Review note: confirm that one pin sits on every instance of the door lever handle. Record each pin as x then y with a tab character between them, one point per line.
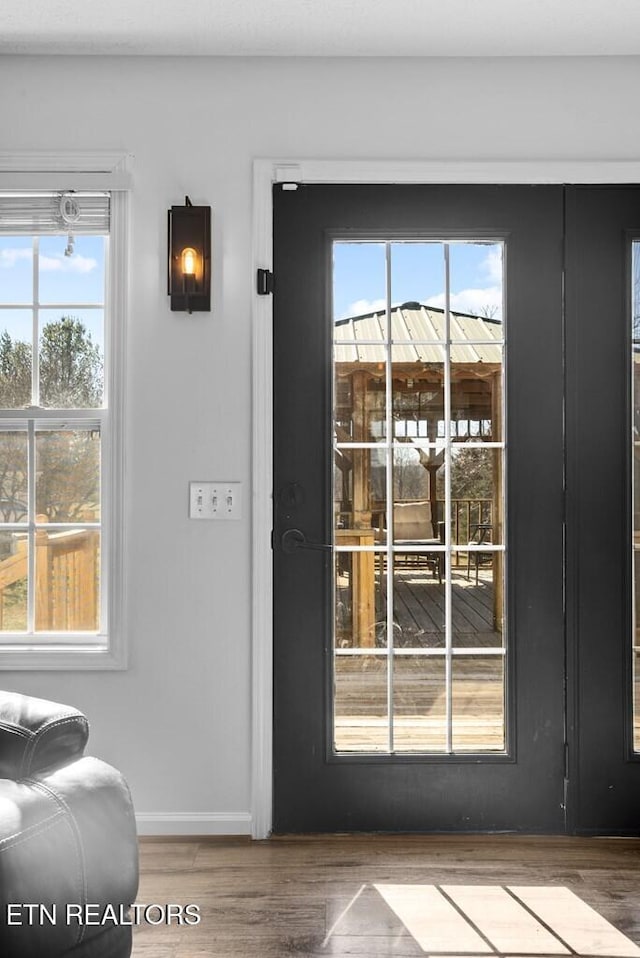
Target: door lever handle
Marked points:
294	539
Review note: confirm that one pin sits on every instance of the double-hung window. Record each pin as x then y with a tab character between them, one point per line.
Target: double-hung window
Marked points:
59	442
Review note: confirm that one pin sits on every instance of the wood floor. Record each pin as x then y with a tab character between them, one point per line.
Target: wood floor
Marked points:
312	897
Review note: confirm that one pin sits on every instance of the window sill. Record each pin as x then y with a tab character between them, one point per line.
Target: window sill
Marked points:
55	653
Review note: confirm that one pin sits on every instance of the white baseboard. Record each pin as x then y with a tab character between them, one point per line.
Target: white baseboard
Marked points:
193	823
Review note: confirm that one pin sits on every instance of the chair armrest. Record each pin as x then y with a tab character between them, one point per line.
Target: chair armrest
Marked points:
36	734
67	838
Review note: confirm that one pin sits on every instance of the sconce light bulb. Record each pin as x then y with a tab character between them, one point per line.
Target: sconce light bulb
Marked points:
189	260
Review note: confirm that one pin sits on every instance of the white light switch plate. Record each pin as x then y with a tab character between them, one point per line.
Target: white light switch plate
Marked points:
215	500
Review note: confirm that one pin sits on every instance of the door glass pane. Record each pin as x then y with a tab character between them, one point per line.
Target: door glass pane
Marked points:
418	393
361	716
419	704
359	289
477	291
416	273
476	495
419	598
416	510
359	496
476	393
359	616
477	703
359	394
419	449
476	603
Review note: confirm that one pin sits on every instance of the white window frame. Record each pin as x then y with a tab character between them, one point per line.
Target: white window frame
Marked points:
108	171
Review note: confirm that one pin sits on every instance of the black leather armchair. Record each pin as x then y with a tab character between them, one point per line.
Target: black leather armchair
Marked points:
68	846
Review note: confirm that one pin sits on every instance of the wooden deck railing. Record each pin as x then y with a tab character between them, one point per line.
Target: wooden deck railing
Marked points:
465	514
67	579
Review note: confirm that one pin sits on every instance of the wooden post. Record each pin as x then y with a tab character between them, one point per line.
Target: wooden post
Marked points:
361	491
432	469
85	585
44	578
363	612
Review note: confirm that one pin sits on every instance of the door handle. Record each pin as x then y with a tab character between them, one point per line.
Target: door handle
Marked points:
294	539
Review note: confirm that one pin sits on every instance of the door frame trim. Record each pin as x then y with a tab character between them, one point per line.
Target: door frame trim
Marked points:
266	172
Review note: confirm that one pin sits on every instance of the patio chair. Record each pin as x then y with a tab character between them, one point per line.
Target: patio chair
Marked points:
413	526
480	535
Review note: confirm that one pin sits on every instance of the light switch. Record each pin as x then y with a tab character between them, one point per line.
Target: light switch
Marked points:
215	500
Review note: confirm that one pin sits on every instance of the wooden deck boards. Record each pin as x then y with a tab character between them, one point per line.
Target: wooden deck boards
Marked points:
419	702
419	609
419	714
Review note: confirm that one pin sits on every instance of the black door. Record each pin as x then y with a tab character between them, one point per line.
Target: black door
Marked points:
603	505
421	666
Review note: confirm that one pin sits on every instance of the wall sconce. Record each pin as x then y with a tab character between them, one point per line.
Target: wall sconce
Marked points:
190	257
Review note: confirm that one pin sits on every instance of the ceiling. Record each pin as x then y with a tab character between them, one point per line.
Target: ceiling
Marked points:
322	27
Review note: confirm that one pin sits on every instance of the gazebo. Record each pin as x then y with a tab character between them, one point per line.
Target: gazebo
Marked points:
423	365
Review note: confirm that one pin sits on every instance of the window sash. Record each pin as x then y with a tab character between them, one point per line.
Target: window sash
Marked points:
30	528
107	648
35	307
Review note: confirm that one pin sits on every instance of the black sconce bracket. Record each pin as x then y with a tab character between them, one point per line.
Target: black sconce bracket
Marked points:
190	229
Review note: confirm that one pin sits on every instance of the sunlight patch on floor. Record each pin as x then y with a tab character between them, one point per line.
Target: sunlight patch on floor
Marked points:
513	921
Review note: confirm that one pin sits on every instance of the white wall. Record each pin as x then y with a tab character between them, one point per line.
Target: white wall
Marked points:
177	722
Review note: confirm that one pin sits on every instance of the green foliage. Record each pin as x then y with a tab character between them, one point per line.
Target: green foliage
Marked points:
68	474
15	372
472	474
70	366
